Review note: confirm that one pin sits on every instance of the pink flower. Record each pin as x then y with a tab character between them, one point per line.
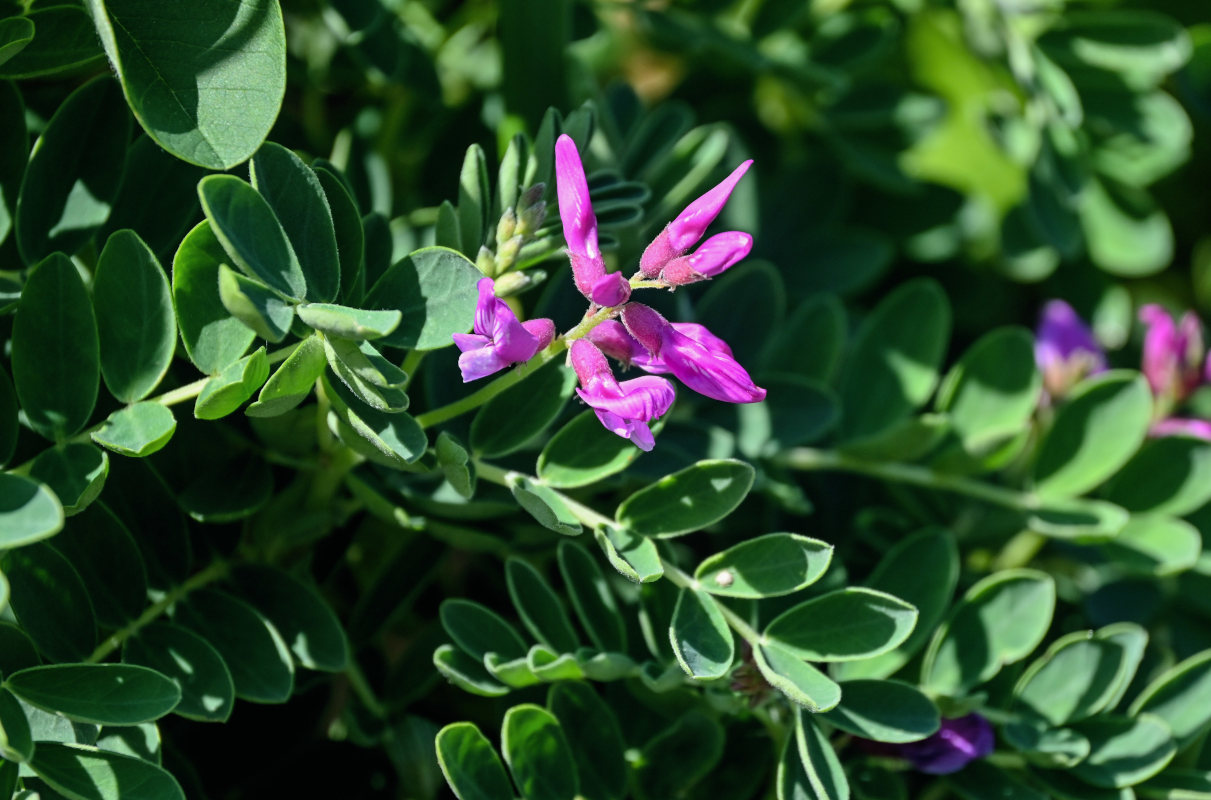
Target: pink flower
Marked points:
499	339
580	230
1064	348
1178	426
695	356
624	408
714	256
1173	354
683	232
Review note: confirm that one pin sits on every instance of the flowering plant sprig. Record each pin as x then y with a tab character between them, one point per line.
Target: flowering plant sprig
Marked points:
629	332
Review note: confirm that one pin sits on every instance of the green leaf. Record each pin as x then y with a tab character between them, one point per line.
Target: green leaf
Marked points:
56	358
15	34
227	391
594	738
595	604
1077	519
1141	47
207	691
538	755
1176	784
89	773
885	711
138	430
298	200
820	761
583	452
765	566
259	661
75	473
292	382
1074	679
372	378
467	673
515	416
992	391
10	427
473	199
478	630
435	290
255	304
1100	427
679	756
980	780
162	51
103	694
455	463
105	555
1169	475
228	491
470	765
1155	544
1176	698
1141	137
74	172
689	500
305	621
140	741
922	569
752	284
29	511
795	678
212	337
540	608
1127	233
50	602
16	741
701	638
549	666
819	320
634	556
546	505
1000	620
349	323
795	411
893	366
396	437
17	650
350	237
65	41
251	235
905	440
1124	750
514	673
1054	748
134	317
843	625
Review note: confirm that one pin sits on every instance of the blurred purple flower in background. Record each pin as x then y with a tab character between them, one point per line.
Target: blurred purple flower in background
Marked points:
1173	355
1064	349
956	744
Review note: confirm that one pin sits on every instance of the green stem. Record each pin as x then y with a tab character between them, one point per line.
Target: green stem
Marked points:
477	399
214	572
361	688
411	365
809	459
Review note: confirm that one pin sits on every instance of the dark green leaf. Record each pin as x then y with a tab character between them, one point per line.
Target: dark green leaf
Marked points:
64	41
593	736
15	34
138	430
795	411
702	640
255	304
74	472
56	358
74	172
820	761
140	741
103	694
292	382
1169	475
51	602
515	416
227	391
16	741
541	610
992	391
17	650
682	754
470	765
397	438
467	673
455	463
435	290
1124	750
14	152
212	337
251	235
305	621
538	754
546	505
160	50
689	500
207	692
367	374
9	425
29	511
157	199
259	661
89	773
885	711
108	561
473	200
297	198
1074	679
795	678
1141	46
1155	544
590	594
844	625
821	321
228	491
478	630
980	780
765	566
134	316
349	323
634	556
1176	698
583	452
350	238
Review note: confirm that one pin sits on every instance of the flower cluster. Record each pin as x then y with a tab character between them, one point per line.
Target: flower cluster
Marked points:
629	332
1172	361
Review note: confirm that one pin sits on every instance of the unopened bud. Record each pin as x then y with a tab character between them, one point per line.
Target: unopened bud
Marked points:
506	228
532	218
512	283
532	195
506	253
485	262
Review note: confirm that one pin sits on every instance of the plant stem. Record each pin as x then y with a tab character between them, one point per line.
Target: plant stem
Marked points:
361	688
809	459
411	365
737	623
214	572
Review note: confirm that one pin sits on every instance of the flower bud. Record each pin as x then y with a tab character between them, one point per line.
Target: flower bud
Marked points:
506	253
506	227
485	262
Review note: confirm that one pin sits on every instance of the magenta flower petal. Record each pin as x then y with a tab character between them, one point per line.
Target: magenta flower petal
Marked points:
470	341
541	329
612	339
1177	426
499	338
1064	348
1173	353
689	226
623	408
638	432
708	371
480	363
611	289
645	325
714	256
575	208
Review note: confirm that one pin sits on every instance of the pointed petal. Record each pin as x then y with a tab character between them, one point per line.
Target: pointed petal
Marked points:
1175	426
691	223
575	207
470	341
611	289
642	399
711	373
720	252
638	432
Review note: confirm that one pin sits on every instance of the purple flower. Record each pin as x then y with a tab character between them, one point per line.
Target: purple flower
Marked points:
683	232
714	256
624	408
698	358
956	744
1173	354
580	230
1064	348
1178	426
499	339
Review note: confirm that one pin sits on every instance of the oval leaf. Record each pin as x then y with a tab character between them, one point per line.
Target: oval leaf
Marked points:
689	500
435	290
78	770
701	638
767	566
29	511
103	694
844	625
207	691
